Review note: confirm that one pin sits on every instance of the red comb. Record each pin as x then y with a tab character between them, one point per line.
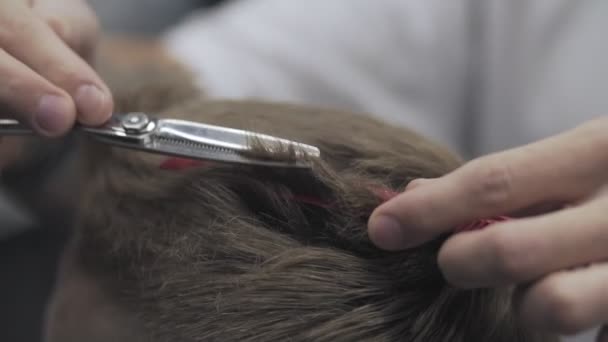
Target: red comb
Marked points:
384	194
180	164
480	224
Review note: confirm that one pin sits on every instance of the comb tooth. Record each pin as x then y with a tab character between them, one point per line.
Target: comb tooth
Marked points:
192	144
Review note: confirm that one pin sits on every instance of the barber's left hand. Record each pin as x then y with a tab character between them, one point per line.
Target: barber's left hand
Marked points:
557	258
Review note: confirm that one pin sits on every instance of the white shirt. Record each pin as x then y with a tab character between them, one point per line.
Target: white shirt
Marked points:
478	75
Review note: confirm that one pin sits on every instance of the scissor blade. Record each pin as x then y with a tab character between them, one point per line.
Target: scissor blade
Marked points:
225	138
221	137
14	127
194	150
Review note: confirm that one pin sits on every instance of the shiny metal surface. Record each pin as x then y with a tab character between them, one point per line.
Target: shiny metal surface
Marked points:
188	139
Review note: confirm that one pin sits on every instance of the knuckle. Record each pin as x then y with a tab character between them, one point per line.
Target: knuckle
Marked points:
493	183
450	262
445	261
598	124
508	256
21	94
15	85
67	77
82	29
562	307
19	88
93	26
60	27
74	31
594	131
13	29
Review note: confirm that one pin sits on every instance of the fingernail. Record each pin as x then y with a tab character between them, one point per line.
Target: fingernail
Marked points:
53	115
387	233
90	102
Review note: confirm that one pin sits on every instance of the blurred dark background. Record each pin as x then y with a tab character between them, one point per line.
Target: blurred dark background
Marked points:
29	251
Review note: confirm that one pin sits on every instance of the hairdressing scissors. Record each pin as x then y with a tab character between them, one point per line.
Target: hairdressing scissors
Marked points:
189	139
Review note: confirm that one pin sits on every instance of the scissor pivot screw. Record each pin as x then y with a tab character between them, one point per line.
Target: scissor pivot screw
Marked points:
135	122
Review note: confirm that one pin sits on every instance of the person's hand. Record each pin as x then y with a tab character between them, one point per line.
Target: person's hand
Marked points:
558	258
45	76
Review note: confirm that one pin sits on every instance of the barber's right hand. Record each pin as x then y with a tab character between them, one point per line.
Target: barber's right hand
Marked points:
45	76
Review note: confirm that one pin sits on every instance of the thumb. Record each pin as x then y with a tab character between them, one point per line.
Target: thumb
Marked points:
410	218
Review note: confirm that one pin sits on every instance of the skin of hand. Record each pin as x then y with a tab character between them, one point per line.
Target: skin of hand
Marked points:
557	259
46	56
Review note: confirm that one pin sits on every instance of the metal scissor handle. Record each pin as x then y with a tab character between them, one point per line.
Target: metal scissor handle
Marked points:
13	127
120	125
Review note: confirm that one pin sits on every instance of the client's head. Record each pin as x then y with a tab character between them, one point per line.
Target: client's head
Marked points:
240	253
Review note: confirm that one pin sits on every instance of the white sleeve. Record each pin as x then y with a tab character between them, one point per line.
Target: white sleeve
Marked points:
403	61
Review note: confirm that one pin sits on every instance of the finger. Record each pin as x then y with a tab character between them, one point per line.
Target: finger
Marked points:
73	22
32	99
567	302
560	169
522	250
33	43
538	209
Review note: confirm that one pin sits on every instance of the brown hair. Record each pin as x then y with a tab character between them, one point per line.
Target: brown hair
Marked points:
228	253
